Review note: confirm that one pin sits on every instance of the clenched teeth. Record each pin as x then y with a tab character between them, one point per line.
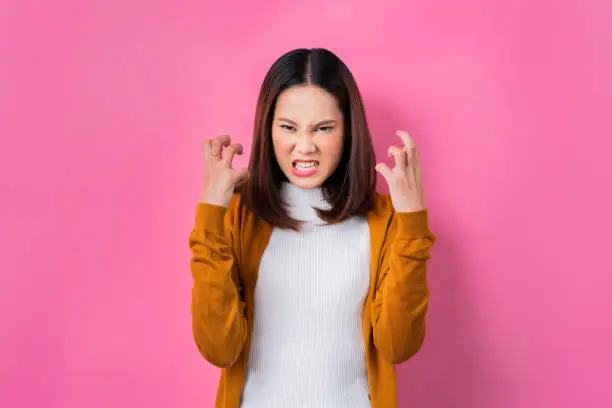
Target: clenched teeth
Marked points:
306	165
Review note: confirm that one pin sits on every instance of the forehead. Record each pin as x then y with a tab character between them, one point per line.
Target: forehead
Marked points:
307	102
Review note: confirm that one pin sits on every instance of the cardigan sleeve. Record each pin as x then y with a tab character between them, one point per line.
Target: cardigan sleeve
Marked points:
401	299
217	308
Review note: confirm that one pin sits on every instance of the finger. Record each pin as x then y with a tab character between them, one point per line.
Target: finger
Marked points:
230	151
410	154
384	170
399	155
206	147
215	148
408	142
411	166
414	163
217	144
417	173
225	140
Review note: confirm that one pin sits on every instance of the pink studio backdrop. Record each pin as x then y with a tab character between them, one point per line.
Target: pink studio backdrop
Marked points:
103	109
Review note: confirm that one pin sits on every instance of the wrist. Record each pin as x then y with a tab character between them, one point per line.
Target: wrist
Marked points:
215	199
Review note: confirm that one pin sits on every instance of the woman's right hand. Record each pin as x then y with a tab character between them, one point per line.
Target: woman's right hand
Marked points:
219	176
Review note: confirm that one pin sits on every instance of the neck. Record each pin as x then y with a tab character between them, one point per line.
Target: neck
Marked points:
302	203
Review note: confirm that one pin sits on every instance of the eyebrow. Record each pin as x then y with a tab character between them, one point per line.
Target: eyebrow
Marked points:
321	123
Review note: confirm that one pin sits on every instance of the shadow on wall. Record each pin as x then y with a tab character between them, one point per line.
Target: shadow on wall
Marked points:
450	370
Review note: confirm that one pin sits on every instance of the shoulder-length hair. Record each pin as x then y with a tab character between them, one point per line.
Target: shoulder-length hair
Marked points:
350	188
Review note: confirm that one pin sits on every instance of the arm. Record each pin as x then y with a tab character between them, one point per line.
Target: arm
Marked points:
402	296
219	325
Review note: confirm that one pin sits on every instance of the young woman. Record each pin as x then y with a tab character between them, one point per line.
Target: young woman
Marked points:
308	285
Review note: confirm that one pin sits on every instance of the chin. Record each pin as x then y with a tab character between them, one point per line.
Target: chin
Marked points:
306	182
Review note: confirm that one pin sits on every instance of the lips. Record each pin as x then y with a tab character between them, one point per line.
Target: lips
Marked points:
304	168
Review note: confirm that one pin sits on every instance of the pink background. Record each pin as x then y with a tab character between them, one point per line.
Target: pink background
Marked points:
103	109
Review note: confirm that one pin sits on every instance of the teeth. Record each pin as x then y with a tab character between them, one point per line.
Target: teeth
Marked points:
306	165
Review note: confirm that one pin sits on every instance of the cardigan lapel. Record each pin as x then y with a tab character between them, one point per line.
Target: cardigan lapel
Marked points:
378	219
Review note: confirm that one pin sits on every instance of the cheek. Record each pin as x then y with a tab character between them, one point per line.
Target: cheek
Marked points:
332	146
282	147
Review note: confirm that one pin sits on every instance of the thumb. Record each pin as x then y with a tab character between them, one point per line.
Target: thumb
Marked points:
240	175
384	170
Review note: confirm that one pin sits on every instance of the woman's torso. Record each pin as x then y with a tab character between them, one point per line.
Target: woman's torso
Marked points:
307	346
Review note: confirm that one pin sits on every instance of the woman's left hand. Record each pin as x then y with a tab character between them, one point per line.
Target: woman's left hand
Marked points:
404	179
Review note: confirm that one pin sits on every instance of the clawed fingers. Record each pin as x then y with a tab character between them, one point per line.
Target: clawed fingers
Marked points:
214	147
404	179
217	145
408	142
230	151
225	140
399	155
410	148
384	170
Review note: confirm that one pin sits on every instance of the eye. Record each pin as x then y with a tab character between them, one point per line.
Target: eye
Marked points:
325	128
287	127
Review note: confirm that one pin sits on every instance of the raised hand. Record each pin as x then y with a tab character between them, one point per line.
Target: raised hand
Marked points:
404	179
220	178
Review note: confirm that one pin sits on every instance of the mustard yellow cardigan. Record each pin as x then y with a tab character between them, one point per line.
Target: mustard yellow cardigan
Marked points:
226	247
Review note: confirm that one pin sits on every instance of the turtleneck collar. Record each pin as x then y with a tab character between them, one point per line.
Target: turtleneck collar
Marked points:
302	202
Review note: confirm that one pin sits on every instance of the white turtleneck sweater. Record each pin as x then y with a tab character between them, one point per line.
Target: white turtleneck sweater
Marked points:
307	348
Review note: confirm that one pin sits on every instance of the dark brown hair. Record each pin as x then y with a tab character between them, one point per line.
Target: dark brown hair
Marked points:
350	188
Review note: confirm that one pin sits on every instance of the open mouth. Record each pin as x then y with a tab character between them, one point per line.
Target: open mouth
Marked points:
305	165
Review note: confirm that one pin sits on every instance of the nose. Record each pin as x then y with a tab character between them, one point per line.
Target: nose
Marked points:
305	144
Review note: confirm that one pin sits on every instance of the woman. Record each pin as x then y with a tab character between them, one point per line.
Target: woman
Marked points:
308	285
